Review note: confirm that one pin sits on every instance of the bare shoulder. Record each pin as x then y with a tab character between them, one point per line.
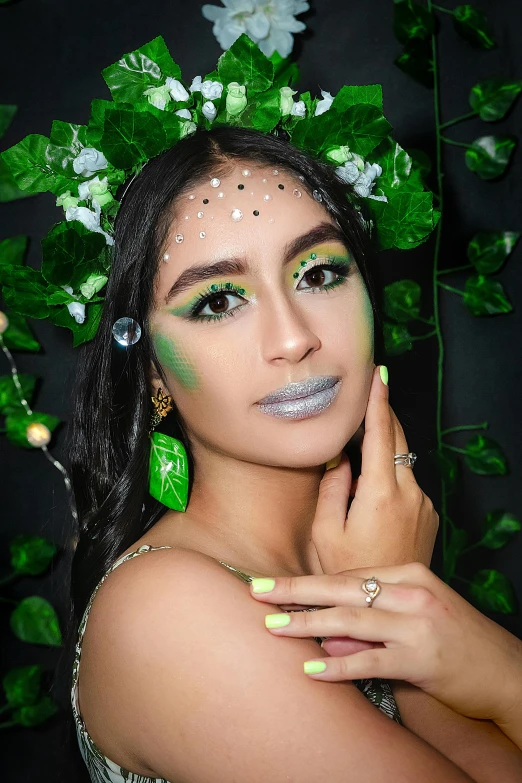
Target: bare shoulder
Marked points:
177	657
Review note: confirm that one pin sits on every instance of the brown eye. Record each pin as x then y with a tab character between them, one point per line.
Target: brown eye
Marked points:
218	304
315	276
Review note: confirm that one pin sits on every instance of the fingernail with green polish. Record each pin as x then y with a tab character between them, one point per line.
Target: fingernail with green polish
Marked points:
262	585
314	667
384	373
277	620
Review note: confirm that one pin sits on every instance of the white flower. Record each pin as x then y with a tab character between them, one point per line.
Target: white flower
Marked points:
286	102
269	23
340	154
362	180
299	109
66	200
158	96
184	113
236	98
177	91
76	309
209	110
188	128
95	188
209	89
91	220
325	104
88	161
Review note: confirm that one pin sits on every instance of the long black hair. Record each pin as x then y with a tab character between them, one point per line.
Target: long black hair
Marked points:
107	443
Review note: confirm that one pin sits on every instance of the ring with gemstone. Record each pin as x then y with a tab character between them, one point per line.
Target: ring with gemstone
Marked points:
372	589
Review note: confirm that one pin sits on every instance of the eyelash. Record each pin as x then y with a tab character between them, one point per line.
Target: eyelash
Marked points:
340	268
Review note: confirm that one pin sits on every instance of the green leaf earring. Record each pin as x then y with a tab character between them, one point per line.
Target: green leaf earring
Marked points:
168	467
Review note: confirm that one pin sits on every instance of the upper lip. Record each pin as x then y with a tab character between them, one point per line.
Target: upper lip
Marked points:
298	389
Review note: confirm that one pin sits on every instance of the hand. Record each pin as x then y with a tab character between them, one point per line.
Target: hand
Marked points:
418	630
390	521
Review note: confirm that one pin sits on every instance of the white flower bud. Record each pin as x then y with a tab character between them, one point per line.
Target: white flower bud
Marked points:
177	91
184	113
209	110
299	109
286	101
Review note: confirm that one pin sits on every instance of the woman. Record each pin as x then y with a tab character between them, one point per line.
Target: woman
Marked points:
246	268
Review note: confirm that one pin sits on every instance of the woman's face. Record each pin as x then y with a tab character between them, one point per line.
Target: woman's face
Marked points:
285	302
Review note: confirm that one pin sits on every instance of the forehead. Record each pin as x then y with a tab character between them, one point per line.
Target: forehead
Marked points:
251	210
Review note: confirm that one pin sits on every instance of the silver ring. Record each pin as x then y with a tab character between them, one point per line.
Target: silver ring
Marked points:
405	459
372	589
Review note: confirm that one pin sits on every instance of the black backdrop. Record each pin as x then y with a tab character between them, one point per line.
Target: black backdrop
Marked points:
51	56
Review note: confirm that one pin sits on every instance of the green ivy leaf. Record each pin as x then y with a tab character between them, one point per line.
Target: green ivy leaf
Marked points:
136	71
489	155
397	339
24	290
12	250
422	160
396	167
22	685
243	62
28	164
350	94
405	221
500	526
60	316
35	621
485	457
491	591
449	468
458	541
168	477
286	72
265	113
35	714
131	137
484	296
492	98
68	242
416	61
9	190
7	112
9	397
411	20
18	421
18	336
401	300
488	250
472	25
66	141
362	127
31	554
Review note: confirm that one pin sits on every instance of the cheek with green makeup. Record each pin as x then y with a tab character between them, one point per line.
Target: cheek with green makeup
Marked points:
175	359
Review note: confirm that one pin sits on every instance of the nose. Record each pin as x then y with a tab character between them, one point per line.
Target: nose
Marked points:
286	332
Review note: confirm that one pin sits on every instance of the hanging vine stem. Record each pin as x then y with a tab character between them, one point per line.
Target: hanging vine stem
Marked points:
445	518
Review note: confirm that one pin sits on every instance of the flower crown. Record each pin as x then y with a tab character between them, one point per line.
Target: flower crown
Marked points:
151	110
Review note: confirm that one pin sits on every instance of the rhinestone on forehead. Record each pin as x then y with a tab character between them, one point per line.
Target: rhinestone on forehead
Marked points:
179	238
221	194
275	171
236	215
200	214
267	197
317	196
215	182
297	193
202	235
192	196
166	256
246	172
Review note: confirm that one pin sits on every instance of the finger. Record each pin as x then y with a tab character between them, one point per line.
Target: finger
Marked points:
356	622
332	500
403	472
378	446
386	663
344	589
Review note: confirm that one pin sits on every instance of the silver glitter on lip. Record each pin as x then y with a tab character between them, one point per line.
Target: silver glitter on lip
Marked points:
298	389
179	238
304	407
200	214
215	182
236	215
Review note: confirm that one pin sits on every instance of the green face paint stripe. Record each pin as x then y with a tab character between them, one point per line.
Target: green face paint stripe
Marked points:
175	360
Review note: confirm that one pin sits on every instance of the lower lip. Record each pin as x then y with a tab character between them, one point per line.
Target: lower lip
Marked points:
303	407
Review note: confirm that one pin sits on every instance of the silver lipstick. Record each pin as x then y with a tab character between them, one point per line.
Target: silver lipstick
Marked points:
302	399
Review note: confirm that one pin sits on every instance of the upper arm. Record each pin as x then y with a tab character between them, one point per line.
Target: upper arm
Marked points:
198	689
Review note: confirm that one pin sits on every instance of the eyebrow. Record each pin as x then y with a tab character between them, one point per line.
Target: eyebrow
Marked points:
323	232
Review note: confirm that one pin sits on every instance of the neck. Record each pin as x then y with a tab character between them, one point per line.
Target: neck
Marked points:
257	518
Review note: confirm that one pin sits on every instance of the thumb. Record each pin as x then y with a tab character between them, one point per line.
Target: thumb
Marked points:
332	502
